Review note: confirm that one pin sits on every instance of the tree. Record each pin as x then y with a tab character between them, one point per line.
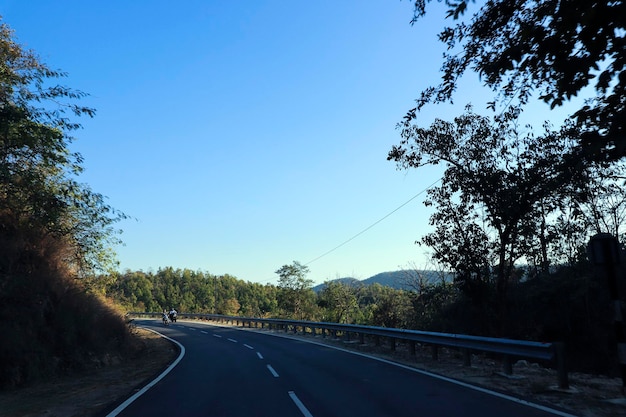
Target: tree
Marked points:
554	47
393	308
53	230
296	295
40	197
339	300
497	193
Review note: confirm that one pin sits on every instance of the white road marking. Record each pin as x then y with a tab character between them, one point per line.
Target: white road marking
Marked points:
217	335
259	355
272	371
139	393
191	328
443	378
232	340
248	346
299	404
202	331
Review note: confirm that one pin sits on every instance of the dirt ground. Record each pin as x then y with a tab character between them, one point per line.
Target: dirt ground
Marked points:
91	395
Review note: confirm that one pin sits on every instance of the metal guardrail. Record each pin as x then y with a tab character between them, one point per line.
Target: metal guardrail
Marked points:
508	348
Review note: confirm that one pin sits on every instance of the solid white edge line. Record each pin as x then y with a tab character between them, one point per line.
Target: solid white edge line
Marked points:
139	393
299	404
272	371
441	377
419	371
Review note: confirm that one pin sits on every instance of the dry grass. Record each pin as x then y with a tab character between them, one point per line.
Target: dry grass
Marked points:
89	394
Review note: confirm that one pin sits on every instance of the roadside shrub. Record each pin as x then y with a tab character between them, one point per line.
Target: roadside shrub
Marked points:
50	323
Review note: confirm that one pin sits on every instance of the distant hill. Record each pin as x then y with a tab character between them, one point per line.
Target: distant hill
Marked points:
399	280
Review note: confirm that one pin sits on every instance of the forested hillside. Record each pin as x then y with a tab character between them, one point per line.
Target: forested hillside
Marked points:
570	304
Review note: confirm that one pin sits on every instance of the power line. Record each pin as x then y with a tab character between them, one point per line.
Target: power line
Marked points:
374	224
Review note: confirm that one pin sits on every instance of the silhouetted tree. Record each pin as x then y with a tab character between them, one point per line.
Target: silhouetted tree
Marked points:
555	48
497	192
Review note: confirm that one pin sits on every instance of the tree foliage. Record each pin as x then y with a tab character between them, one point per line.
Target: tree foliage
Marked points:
569	304
555	48
52	230
340	302
39	191
504	198
296	295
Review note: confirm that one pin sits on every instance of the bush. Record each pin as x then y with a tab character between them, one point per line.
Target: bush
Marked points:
50	323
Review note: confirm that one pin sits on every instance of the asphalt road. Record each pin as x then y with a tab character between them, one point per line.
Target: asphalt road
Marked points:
233	372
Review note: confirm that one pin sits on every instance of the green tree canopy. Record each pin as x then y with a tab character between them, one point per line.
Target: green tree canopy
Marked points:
40	197
296	296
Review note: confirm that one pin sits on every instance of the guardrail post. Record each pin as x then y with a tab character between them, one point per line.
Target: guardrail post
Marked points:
392	340
561	365
434	351
467	357
412	347
362	338
377	340
507	365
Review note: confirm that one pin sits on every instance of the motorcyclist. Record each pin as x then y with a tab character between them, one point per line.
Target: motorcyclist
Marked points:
173	314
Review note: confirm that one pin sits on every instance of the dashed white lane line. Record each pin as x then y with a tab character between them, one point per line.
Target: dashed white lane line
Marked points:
259	355
191	328
249	347
272	371
305	412
232	340
202	331
217	335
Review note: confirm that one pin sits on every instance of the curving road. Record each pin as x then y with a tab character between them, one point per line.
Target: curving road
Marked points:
233	372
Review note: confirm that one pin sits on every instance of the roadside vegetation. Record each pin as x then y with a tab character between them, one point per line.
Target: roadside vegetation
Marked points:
570	305
513	214
55	233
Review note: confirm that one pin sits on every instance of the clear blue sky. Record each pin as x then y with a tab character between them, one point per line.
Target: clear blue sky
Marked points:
244	135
